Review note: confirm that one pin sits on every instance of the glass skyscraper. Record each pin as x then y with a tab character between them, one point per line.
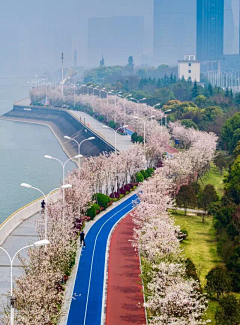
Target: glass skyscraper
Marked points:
210	24
174	30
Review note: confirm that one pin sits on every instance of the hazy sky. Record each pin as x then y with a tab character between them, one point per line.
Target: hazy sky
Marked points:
34	32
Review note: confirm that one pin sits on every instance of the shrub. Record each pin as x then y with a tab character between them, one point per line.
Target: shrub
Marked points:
191	270
91	212
140	139
150	171
122	191
218	281
102	200
112	124
134	137
130	185
134	187
139	177
121	196
116	195
127	192
115	199
228	311
127	188
145	174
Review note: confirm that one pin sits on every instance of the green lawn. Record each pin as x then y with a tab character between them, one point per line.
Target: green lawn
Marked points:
215	178
201	244
201	247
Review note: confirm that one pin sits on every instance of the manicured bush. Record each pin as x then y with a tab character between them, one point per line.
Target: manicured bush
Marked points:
139	177
102	200
134	137
150	171
134	187
130	185
112	124
122	191
115	199
91	212
140	139
127	188
116	195
145	174
127	192
121	196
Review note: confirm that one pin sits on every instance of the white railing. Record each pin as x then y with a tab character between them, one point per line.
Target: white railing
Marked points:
15	219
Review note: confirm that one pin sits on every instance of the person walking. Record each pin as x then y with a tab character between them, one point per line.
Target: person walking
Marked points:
82	238
43	205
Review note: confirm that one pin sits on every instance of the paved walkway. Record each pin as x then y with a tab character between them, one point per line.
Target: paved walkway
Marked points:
88	306
123	141
22	236
124	293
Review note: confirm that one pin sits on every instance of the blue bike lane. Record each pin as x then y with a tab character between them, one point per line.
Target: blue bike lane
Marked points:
86	306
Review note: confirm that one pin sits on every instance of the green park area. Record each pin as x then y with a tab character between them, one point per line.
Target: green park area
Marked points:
215	178
201	247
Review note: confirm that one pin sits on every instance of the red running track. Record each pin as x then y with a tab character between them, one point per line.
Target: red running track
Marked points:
124	288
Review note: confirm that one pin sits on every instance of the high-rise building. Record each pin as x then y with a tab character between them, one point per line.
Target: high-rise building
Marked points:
210	22
231	27
116	38
174	30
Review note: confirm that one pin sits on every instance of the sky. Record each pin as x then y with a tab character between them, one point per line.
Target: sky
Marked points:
34	33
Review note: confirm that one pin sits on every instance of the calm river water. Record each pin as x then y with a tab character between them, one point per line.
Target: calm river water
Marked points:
22	150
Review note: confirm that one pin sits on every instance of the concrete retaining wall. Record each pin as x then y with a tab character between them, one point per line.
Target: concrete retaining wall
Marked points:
15	219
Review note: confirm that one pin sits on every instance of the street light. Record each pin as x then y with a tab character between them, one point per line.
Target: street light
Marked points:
63	167
124	114
138	101
79	145
46	198
108	127
144	134
39	243
168	111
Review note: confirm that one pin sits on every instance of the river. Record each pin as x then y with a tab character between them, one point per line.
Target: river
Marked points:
22	150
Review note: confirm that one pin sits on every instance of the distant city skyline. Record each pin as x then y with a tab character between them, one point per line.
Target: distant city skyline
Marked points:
174	30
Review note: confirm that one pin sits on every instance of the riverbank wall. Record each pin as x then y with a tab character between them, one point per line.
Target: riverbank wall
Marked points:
61	122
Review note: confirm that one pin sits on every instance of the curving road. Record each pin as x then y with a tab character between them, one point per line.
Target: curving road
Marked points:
86	306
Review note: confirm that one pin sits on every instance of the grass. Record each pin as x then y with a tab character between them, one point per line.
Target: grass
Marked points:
201	247
215	178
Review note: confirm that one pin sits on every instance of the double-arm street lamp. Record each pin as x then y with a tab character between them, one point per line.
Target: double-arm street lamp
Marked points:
107	127
138	101
63	168
144	132
39	243
79	147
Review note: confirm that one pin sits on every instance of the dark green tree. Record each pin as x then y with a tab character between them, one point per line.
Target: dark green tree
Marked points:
218	281
195	92
186	197
207	196
130	65
228	311
221	162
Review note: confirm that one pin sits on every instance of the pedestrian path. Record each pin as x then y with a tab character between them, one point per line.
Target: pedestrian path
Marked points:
23	235
124	293
123	141
88	303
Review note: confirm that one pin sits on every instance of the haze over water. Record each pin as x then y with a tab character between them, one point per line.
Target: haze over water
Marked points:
22	150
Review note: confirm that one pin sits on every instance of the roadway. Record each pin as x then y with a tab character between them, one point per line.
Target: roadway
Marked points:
89	294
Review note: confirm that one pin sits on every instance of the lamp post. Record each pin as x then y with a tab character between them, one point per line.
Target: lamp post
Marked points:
144	132
62	72
124	114
36	244
63	167
95	88
115	140
79	146
46	198
138	101
168	111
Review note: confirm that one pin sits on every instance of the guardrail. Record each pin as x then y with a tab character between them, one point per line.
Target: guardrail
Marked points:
16	218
